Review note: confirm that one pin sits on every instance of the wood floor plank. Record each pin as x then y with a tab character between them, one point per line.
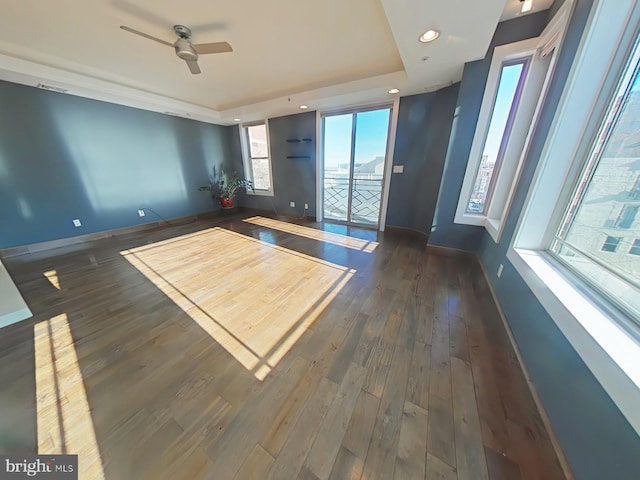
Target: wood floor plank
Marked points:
439	470
291	458
358	434
440	377
334	425
471	463
419	373
440	435
256	465
347	466
381	456
489	401
378	368
412	447
230	452
501	467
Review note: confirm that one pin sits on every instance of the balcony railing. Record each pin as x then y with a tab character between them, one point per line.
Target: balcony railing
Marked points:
365	201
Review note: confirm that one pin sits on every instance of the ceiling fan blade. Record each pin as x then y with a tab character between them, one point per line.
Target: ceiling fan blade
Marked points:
217	47
131	30
193	66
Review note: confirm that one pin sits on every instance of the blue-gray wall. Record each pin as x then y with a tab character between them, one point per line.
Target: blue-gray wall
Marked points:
424	126
597	440
64	157
294	179
474	78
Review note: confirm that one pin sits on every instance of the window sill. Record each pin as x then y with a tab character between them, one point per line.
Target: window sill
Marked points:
260	193
609	351
477	219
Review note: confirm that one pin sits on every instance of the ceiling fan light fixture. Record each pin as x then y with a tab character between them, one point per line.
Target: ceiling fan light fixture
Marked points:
527	6
429	36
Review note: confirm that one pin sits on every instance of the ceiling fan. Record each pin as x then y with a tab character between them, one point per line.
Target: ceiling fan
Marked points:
186	50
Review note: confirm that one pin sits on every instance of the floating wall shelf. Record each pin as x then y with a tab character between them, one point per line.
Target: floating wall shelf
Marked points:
300	153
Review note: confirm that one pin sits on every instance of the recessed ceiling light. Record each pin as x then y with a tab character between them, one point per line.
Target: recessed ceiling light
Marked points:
303	107
236	119
429	36
393	91
527	5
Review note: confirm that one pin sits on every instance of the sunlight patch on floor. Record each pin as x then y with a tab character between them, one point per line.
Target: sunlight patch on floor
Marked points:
52	276
254	298
342	240
64	419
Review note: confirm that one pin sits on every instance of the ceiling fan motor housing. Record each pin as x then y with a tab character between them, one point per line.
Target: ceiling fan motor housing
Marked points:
185	50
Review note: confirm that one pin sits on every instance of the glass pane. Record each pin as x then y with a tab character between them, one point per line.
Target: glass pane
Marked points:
337	165
599	234
261	177
258	141
501	117
370	150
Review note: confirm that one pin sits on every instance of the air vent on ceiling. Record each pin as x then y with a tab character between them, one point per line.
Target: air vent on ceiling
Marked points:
175	114
51	88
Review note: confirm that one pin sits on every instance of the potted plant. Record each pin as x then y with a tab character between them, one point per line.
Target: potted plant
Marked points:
225	189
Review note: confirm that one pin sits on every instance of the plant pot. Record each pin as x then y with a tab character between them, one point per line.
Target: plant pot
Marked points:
226	202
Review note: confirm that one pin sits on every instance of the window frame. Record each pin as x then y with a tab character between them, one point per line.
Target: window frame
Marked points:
607	340
247	158
525	61
515	146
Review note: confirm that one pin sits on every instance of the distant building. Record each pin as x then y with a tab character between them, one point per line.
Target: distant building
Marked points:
607	227
373	167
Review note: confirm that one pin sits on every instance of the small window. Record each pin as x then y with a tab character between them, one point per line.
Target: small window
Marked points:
611	244
504	110
257	161
634	193
627	216
635	248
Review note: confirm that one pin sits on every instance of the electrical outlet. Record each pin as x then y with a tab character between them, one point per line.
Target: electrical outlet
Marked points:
292	204
306	206
500	270
141	213
77	223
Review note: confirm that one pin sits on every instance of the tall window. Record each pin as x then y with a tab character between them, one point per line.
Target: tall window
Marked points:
582	268
505	105
257	161
602	195
516	87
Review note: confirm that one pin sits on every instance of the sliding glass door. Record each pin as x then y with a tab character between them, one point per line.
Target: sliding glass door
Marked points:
355	150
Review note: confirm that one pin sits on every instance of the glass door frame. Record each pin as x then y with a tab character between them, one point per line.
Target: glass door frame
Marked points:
388	162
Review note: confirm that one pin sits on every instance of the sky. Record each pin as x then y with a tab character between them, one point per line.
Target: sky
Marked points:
371	136
504	99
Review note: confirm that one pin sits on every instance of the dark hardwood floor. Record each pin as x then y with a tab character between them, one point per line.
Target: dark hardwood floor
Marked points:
253	348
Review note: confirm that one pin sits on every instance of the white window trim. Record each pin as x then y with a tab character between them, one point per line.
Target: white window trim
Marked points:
246	158
531	100
607	342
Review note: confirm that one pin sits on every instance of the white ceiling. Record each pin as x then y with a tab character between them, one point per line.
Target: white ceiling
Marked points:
326	54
